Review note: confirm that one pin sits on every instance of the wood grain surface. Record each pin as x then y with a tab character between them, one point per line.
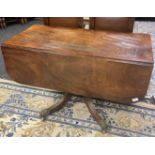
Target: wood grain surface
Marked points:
72	22
119	24
111	66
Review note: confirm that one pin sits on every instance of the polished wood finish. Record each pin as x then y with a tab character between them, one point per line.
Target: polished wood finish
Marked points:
111	66
72	22
91	107
56	106
120	24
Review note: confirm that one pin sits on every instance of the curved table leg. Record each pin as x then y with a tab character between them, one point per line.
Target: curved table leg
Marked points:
95	114
88	103
56	107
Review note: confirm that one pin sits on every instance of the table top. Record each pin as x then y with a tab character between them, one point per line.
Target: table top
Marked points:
78	42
